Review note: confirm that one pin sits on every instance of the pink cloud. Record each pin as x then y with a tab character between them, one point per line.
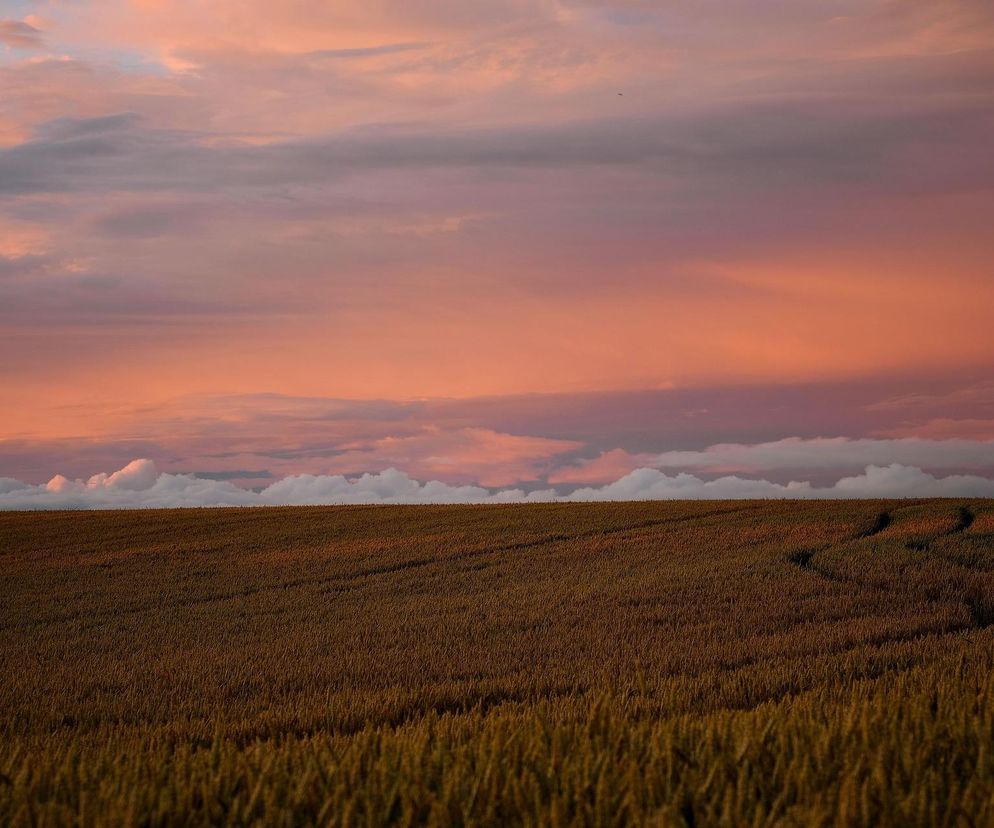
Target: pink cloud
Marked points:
607	466
409	200
20	34
476	455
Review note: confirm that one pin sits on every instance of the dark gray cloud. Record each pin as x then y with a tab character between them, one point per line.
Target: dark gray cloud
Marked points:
369	51
234	474
151	222
23	265
802	140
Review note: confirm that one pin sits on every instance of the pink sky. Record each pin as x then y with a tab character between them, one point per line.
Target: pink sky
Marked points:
507	242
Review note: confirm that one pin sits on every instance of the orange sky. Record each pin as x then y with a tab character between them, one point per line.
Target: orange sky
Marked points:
401	201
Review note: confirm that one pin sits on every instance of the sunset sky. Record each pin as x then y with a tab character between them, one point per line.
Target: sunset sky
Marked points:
524	245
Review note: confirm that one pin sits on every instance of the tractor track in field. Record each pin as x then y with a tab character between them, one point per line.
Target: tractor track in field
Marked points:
980	607
804	558
883	520
964	521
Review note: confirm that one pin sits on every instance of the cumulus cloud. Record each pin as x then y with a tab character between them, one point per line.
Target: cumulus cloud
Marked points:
9	484
389	486
141	485
138	485
893	481
832	453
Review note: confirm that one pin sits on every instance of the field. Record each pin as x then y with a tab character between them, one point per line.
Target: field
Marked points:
722	663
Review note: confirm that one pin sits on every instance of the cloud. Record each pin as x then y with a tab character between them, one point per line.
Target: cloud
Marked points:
575	439
896	480
389	486
735	147
138	485
9	484
299	200
141	485
20	35
608	465
893	481
947	428
833	453
482	455
367	51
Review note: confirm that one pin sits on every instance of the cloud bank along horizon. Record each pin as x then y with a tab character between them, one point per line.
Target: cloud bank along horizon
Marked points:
273	246
141	485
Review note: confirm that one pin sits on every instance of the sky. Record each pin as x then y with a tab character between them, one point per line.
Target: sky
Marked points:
409	250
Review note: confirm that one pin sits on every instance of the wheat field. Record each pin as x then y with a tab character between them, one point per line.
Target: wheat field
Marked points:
710	663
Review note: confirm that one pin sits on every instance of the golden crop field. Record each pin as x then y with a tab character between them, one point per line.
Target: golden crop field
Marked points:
711	663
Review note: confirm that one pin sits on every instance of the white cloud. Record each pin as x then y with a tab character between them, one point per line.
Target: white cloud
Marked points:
390	486
137	485
8	484
895	480
833	453
140	485
652	484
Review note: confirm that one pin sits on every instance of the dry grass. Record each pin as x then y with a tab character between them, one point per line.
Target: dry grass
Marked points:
677	664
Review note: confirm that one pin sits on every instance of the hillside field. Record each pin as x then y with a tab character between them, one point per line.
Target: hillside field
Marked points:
698	664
